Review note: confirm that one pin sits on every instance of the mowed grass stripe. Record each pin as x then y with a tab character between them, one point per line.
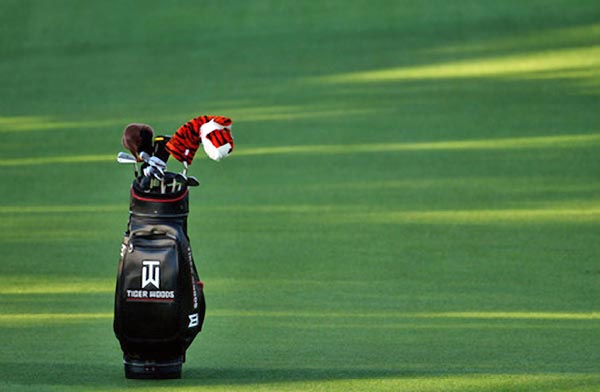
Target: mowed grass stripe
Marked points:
10	318
349	214
571	59
558	141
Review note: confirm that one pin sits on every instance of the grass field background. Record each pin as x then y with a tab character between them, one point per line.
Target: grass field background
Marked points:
412	204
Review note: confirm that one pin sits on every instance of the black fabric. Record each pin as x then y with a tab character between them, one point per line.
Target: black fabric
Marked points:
159	300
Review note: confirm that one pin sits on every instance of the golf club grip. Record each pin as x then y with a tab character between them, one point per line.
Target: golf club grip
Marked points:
160	147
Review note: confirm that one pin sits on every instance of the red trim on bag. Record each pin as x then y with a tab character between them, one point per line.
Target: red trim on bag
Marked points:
150	300
201	284
159	200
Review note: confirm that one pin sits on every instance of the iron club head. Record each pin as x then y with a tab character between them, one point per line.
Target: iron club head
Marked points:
123	157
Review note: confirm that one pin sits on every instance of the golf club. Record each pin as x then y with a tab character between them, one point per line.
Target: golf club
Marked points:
192	181
123	157
183	174
159	174
177	179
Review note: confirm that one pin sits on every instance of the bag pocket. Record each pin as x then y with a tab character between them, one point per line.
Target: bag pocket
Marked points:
148	289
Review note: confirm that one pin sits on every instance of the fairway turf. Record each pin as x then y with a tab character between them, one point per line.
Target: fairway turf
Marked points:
412	203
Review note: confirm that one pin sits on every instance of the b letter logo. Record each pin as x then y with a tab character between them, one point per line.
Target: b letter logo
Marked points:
150	273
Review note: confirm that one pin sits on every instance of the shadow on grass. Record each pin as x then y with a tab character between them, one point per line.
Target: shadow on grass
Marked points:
112	376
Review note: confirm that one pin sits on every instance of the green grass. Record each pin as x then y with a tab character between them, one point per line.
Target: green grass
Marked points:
412	203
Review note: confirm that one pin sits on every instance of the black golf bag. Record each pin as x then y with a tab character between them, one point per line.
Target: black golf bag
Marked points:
159	299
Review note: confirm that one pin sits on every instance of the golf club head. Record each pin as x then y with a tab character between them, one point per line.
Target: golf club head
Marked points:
123	157
192	181
145	156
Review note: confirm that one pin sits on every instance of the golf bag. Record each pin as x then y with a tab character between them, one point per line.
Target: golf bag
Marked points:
159	299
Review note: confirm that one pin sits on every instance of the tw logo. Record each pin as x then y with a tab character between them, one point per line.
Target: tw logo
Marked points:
150	273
